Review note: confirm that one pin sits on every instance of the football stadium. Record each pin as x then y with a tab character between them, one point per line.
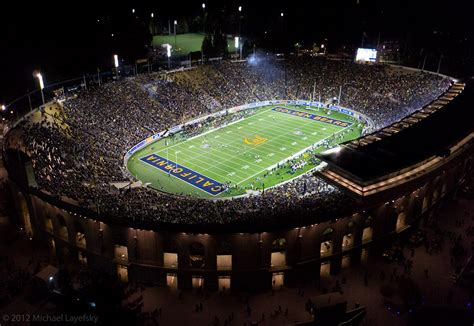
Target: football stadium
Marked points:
240	174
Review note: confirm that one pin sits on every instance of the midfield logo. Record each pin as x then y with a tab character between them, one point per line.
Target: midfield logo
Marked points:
257	140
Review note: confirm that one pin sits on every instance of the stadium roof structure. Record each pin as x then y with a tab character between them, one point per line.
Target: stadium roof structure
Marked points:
407	142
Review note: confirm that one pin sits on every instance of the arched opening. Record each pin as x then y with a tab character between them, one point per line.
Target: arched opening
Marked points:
223	283
121	253
325	269
348	239
401	221
326	246
62	228
278	279
367	233
172	280
424	208
196	255
80	235
346	261
122	273
224	256
170	254
48	224
435	197
278	257
197	281
82	258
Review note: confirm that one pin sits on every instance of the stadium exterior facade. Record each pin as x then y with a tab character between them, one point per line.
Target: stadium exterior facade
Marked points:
390	204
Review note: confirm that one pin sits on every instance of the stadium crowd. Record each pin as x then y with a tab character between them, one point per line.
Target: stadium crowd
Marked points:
77	151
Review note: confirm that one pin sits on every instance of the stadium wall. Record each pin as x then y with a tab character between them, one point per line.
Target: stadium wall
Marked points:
252	261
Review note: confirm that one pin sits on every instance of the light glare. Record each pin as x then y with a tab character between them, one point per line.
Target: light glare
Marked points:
40	79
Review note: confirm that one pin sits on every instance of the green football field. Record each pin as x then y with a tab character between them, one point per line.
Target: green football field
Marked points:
185	43
249	154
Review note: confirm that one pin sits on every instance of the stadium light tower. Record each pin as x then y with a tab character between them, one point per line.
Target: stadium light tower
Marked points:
236	43
168	54
204	28
116	64
175	41
41	84
240	24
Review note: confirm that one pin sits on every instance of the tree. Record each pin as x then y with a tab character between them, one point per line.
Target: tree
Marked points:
206	46
220	43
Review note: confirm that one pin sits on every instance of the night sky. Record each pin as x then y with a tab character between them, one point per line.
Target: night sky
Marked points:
64	40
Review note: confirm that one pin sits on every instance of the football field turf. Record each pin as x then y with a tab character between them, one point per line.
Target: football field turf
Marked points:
240	155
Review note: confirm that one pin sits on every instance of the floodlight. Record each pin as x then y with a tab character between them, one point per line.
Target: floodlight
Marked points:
236	39
4	107
168	50
281	14
240	8
203	5
176	22
40	79
152	15
116	61
133	11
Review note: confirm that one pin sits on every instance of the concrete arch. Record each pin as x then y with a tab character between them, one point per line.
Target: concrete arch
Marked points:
197	255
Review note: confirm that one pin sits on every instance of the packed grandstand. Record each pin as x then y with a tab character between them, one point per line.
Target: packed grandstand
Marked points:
79	149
